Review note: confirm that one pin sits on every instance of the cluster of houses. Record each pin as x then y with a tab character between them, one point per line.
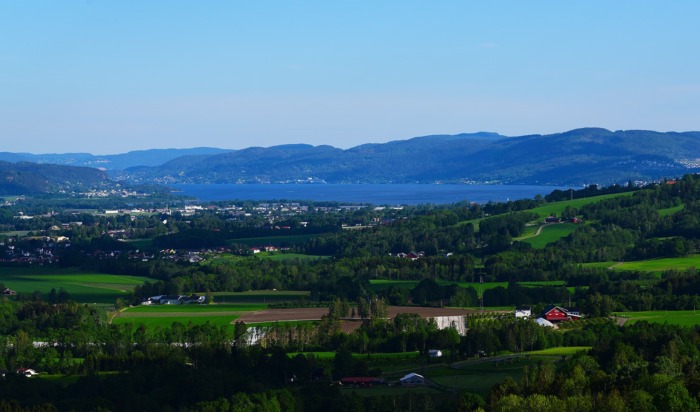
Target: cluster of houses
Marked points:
175	300
554	219
550	315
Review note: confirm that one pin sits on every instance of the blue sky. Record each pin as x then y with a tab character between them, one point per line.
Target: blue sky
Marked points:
113	76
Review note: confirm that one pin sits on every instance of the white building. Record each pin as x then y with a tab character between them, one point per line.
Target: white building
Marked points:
413	379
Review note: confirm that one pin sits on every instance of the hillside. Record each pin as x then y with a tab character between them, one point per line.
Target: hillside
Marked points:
152	157
577	157
31	178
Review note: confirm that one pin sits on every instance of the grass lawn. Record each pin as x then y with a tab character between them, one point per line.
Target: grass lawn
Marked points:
673	317
82	286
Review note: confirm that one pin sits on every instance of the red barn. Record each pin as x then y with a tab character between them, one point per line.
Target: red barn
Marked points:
554	314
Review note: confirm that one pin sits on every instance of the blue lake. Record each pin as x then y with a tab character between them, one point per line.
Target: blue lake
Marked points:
378	194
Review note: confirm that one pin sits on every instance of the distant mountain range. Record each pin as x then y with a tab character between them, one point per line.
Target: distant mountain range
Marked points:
153	157
576	157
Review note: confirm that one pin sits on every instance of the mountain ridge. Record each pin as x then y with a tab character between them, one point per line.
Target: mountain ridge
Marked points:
574	157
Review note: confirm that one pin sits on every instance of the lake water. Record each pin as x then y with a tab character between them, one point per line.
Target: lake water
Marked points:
378	194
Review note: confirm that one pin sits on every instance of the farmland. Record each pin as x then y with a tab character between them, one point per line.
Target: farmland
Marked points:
672	317
653	265
83	287
153	316
550	233
381	284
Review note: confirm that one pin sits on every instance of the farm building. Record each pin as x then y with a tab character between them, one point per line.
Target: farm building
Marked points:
555	313
523	312
413	379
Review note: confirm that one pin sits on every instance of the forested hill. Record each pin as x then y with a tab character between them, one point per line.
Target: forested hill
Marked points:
152	157
577	157
23	178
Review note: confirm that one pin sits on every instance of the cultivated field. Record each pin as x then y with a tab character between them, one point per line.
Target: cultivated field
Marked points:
673	317
653	265
81	286
153	316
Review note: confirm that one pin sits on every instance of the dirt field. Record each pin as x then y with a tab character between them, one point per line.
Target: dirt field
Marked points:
297	314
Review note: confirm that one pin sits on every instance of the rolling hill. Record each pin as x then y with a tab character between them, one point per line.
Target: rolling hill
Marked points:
577	157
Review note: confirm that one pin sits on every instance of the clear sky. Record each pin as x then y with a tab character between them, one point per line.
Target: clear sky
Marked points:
112	76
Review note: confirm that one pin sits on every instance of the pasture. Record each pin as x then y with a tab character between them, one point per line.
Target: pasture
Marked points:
277	256
549	234
260	296
478	376
381	284
162	316
82	287
272	240
560	351
652	265
556	208
672	317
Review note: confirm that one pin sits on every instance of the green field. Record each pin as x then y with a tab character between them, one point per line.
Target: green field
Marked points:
556	208
381	284
672	317
652	265
272	240
82	287
561	351
479	376
20	233
549	234
287	256
260	296
671	210
154	316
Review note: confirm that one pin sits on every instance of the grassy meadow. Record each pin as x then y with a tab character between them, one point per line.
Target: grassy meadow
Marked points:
549	234
83	287
272	240
381	284
162	316
652	265
672	317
